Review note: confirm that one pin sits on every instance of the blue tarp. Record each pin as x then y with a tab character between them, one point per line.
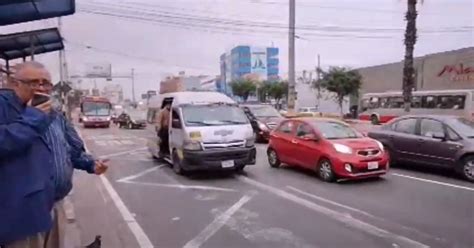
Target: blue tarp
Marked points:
16	11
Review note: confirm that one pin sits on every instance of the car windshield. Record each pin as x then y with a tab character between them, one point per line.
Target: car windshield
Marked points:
462	126
264	111
336	130
213	115
96	109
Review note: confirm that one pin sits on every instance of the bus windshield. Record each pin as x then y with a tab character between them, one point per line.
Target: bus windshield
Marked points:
96	109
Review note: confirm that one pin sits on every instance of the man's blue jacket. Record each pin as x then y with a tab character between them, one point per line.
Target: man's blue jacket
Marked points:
26	170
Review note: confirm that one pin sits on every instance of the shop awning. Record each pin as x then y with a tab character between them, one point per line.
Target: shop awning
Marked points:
24	44
16	11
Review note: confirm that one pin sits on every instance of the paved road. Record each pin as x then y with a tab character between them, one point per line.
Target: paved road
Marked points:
286	207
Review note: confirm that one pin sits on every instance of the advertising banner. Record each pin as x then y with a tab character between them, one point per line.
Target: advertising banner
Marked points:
96	70
258	62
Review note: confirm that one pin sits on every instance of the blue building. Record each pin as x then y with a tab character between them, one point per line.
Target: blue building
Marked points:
247	60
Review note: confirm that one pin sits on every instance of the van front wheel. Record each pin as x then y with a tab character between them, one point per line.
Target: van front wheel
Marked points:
177	164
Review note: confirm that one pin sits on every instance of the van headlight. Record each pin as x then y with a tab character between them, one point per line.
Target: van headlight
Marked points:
342	148
250	142
192	145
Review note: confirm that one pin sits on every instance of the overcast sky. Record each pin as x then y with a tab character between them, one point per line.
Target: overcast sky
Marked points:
162	37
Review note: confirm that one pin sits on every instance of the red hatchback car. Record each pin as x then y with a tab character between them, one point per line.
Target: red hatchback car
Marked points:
330	147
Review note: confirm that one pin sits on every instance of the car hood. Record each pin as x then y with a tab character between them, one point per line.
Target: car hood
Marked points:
358	143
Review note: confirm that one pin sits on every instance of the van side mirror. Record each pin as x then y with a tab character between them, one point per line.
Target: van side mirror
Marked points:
310	137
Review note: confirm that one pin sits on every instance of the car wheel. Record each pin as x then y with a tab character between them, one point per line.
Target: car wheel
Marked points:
325	171
391	156
273	159
177	164
374	120
467	168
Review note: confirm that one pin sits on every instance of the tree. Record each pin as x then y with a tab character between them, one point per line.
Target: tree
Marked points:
410	41
278	91
341	81
243	88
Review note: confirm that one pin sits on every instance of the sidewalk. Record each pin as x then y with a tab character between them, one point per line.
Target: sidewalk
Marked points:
92	212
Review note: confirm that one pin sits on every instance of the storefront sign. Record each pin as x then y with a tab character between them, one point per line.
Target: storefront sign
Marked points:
459	72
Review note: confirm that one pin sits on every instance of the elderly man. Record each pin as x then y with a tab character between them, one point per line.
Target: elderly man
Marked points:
26	163
69	154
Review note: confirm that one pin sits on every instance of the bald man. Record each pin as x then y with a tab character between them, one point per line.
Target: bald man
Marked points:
26	160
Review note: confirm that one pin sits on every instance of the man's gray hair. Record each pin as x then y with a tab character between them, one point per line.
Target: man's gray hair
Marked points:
15	70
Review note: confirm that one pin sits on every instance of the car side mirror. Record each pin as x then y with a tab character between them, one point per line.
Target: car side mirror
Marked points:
310	137
439	135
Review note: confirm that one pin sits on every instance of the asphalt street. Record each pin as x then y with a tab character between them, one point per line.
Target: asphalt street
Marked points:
285	207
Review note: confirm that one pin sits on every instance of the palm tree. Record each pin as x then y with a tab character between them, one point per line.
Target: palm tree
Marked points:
410	40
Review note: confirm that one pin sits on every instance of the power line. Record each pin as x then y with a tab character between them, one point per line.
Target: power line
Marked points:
122	54
126	9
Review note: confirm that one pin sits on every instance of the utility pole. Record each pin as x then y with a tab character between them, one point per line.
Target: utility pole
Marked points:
291	58
133	85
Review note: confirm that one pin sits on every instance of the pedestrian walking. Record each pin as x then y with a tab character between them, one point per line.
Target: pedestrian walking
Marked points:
26	162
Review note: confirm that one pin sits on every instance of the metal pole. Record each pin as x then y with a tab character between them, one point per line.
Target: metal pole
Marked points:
318	82
133	85
291	58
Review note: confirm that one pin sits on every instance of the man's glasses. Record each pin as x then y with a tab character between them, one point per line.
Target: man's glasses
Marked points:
35	83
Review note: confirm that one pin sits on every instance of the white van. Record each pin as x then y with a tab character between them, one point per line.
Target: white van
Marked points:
208	131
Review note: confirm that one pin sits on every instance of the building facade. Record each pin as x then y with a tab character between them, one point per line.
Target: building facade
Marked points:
113	92
244	60
440	71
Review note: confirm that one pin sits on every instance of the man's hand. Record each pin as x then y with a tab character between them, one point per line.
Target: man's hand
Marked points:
45	107
101	166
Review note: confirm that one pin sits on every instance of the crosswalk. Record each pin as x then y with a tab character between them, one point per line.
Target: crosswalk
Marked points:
113	140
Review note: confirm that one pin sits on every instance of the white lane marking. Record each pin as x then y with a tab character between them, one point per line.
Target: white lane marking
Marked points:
434	182
413	230
330	202
217	224
181	186
140	235
121	153
135	176
343	218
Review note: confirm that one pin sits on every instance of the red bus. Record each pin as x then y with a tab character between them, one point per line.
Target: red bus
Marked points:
95	112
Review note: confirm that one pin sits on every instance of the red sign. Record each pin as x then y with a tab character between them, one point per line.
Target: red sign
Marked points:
460	72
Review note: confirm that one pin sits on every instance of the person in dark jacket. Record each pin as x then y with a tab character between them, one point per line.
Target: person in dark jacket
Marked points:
26	163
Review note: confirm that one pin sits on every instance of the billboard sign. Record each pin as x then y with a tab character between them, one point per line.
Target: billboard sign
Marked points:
258	62
96	70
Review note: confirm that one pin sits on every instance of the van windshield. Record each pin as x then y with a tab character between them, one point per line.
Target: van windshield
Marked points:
213	115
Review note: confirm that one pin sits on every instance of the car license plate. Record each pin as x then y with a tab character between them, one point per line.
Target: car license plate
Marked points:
373	165
227	164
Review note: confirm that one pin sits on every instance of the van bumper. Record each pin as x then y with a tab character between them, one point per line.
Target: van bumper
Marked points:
212	159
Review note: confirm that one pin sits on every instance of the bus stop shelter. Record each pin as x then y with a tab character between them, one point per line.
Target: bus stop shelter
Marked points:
28	44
